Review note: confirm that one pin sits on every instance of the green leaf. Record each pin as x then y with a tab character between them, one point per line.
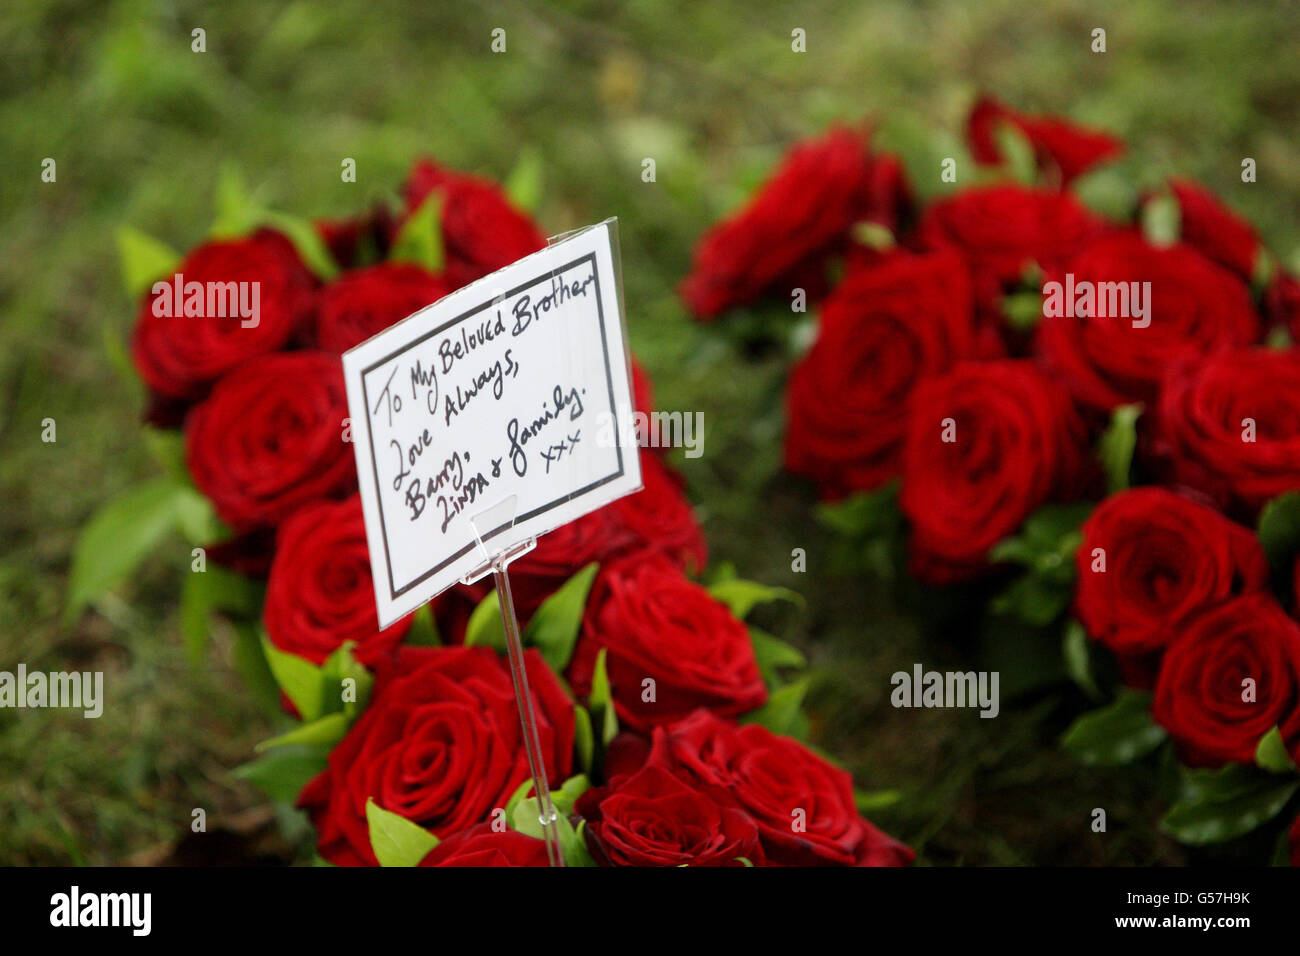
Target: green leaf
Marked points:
526	819
773	654
521	791
239	214
396	840
601	700
873	235
1115	447
115	351
868	803
554	627
1162	220
300	679
1263	271
325	731
237	211
250	662
1279	530
485	628
1078	658
282	773
424	628
584	740
419	240
339	667
1023	310
205	592
1223	804
1116	734
197	518
864	514
1034	598
1271	754
308	243
741	596
1045	529
118	537
567	796
524	184
145	260
1017	153
781	714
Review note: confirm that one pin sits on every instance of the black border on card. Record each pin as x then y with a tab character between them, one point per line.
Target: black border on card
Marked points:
370	439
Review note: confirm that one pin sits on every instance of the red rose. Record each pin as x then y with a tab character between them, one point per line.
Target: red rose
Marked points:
1004	230
883	330
1194	308
653	819
320	592
482	846
269	439
1165	558
803	806
1231	425
439	744
1230	677
782	237
1072	149
365	302
658	517
180	353
1214	230
987	444
656	623
481	231
661	517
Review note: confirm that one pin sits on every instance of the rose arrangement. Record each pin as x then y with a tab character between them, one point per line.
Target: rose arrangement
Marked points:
1044	410
667	723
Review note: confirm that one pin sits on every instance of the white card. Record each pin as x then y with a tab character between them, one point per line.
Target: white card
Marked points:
515	385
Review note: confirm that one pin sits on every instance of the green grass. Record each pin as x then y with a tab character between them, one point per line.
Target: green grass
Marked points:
139	126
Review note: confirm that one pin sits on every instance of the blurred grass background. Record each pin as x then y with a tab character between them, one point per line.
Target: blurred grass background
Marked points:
139	126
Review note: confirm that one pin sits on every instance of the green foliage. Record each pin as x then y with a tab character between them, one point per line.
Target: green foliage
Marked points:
283	772
1218	805
395	840
124	532
1161	220
1115	447
554	626
524	184
782	714
601	701
419	240
774	654
1045	548
1279	530
203	594
872	528
1272	755
485	627
144	261
1119	733
742	596
1018	157
239	214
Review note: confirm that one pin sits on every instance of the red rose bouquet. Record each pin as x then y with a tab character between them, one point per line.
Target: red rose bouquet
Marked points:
667	723
1037	409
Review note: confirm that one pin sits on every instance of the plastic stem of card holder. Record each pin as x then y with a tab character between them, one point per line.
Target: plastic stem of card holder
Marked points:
487	524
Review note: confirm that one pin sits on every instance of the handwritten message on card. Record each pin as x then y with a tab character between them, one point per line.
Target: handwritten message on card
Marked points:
516	385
